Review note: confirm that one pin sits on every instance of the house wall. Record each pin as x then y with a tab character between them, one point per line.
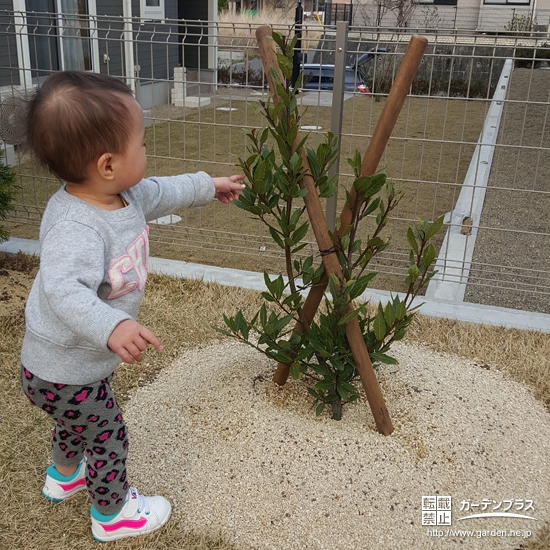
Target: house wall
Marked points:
110	36
480	15
9	74
156	53
156	50
194	36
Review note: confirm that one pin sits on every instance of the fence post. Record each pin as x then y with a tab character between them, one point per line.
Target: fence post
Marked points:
337	111
297	57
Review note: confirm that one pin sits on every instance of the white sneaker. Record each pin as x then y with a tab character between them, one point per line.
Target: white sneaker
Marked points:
139	516
58	487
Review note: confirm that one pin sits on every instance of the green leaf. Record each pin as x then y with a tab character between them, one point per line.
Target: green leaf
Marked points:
372	207
362	183
349	316
292	299
337	364
290	46
230	322
284	322
345	390
345	241
276	237
295	216
295	159
259	178
278	38
383	358
298	248
263	137
399	335
434	228
279	287
242	325
324	385
268	297
320	369
412	240
429	255
267	282
295	370
370	185
313	392
224	332
314	165
300	233
414	273
400	310
389	314
282	93
333	284
263	315
376	242
361	285
355	163
319	409
379	325
292	133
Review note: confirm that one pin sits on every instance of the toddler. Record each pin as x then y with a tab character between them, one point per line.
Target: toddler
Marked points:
88	130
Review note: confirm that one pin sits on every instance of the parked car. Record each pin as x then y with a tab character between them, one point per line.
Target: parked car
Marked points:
321	76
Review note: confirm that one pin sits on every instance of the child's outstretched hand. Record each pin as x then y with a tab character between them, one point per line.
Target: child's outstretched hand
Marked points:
129	339
228	189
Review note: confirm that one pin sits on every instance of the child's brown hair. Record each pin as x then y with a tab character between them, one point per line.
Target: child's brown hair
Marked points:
74	118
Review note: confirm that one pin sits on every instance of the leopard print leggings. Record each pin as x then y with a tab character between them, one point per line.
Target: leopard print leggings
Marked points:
88	420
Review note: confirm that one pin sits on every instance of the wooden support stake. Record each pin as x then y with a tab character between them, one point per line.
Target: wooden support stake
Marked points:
330	261
375	150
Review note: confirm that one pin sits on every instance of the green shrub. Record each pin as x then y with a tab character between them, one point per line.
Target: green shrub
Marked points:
7	194
252	77
532	58
521	24
274	175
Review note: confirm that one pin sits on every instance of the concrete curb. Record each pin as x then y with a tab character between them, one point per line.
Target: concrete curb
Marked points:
455	260
465	312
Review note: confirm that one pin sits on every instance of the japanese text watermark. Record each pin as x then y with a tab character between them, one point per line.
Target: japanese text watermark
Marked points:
437	512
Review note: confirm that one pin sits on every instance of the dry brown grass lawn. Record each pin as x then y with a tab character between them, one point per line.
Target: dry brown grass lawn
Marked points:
181	312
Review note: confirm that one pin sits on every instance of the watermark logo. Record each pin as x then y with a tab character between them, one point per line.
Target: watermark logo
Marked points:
488	508
436	510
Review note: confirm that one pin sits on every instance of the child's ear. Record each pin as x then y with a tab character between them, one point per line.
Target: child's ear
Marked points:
104	166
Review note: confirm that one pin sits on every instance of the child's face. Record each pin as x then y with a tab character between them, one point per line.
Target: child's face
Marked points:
132	163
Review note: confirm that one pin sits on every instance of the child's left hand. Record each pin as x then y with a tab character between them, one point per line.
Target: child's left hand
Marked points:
228	188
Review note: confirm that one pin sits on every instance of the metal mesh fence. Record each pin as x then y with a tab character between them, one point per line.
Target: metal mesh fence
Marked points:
471	141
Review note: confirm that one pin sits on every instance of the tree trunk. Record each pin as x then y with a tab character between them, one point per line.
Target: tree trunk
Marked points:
336	406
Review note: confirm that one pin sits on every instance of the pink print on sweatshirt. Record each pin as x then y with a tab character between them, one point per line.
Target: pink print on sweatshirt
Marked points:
136	259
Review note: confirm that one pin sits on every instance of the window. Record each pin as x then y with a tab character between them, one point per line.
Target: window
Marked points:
152	9
74	29
439	2
59	35
508	2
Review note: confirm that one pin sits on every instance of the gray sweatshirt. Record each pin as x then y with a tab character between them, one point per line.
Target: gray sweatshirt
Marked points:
93	268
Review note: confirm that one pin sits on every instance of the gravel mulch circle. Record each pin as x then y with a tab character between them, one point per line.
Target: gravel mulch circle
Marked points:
237	454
